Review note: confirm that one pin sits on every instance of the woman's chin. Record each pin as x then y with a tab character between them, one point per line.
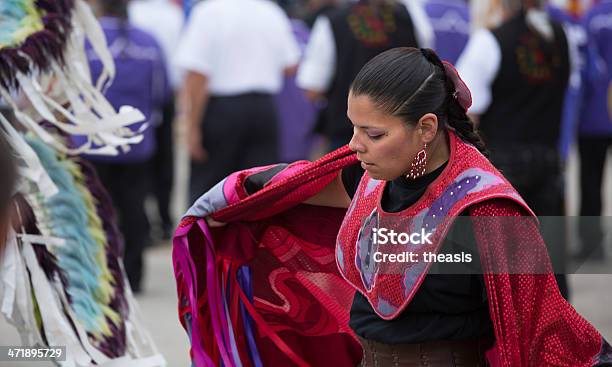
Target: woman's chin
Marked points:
375	172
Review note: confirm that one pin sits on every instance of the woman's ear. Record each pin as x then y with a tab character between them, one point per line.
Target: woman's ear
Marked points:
428	127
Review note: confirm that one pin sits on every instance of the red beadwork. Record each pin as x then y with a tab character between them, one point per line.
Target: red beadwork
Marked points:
290	256
388	282
534	325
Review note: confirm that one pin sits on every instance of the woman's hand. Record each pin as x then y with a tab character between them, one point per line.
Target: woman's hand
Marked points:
213	223
196	149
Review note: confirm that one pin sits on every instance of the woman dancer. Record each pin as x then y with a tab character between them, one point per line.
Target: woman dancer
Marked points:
425	173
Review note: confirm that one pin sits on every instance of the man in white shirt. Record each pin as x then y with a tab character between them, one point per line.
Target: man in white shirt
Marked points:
343	41
164	20
235	54
518	72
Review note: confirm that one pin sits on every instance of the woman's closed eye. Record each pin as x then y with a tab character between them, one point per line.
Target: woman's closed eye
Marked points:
375	135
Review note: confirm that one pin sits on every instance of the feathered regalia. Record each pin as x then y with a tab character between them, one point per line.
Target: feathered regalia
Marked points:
61	276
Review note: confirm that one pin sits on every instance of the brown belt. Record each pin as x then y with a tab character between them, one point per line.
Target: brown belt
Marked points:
465	353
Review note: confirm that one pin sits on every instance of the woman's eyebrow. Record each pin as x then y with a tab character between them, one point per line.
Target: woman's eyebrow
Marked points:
360	126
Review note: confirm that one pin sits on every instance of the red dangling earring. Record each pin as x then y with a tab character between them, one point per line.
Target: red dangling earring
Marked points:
417	167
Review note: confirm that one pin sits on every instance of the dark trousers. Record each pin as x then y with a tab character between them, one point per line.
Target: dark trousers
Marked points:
127	185
239	132
163	165
593	151
535	172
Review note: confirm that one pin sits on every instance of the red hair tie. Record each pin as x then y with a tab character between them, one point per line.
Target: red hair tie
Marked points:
462	93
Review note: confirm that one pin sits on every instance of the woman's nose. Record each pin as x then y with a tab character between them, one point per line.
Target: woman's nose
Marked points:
355	145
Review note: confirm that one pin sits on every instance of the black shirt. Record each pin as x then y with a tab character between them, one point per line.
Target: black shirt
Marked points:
361	30
450	303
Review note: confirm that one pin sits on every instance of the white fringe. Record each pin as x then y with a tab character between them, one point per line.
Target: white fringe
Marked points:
88	113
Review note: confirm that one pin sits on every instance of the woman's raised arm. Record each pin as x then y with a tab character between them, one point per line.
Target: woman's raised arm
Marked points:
333	195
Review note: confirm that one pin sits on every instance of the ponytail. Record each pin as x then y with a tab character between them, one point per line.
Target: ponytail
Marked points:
463	126
456	115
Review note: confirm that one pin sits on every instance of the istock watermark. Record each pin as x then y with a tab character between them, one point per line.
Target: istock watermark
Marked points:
384	236
522	244
427	257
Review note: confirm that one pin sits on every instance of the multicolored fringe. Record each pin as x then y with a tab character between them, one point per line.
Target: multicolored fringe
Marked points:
39	36
35	39
72	265
61	279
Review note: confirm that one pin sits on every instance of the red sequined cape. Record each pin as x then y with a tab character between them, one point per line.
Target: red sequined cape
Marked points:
264	290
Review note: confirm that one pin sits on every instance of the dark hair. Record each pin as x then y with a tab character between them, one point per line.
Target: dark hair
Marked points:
408	83
8	173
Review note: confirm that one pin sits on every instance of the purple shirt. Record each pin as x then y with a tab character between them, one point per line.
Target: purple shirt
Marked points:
450	20
140	81
597	107
574	95
296	113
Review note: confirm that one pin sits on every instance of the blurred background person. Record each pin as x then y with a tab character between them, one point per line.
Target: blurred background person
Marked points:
343	41
235	54
568	13
450	20
518	72
297	114
595	128
140	81
163	19
316	8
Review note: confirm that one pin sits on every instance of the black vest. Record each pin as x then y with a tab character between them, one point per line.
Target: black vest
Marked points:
361	32
529	90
